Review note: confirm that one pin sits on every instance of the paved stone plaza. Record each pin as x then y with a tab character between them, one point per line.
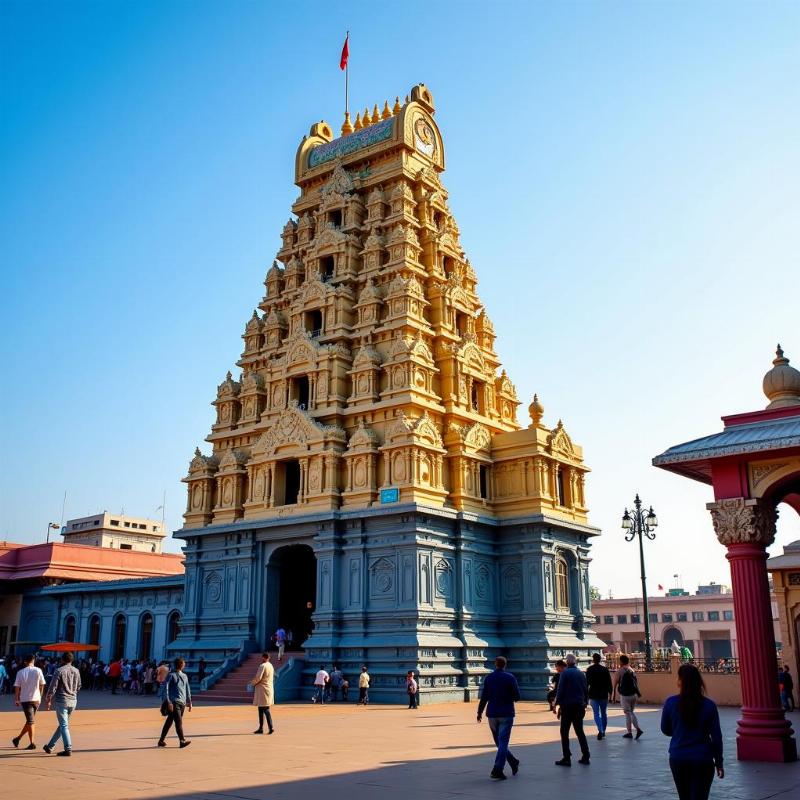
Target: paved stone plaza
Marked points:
347	751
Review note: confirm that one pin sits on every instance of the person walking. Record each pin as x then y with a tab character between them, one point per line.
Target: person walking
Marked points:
336	682
28	687
177	698
560	666
627	688
263	693
411	689
363	687
695	747
3	676
572	698
320	679
598	679
786	683
499	692
114	673
280	640
63	694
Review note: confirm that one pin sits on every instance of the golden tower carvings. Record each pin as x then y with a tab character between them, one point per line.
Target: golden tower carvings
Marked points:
371	364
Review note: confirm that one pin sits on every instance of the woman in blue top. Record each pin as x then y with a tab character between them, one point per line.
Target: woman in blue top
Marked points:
695	749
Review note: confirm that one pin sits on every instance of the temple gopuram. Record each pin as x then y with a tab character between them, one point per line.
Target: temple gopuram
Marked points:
368	485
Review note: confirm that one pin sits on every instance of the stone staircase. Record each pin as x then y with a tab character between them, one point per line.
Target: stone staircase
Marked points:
232	688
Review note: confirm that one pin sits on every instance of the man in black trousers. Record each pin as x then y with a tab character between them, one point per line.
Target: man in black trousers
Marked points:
572	698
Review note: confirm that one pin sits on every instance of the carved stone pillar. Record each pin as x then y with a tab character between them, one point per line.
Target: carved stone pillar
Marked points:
747	527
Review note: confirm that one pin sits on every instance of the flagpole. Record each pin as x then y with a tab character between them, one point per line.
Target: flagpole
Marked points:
347	77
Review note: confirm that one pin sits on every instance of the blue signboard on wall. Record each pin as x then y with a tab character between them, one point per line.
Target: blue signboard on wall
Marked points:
391	495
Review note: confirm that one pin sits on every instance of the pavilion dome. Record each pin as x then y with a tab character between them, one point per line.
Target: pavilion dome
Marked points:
782	383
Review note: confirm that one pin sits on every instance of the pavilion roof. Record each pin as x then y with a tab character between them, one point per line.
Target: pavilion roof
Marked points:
693	458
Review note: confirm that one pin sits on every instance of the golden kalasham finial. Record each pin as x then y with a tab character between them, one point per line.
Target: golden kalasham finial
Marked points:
536	410
365	117
357	126
397	108
347	128
385	114
376	117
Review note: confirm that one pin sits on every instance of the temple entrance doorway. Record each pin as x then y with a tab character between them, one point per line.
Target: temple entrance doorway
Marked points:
291	592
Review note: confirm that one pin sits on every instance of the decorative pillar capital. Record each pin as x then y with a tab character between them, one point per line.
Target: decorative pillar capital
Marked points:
739	520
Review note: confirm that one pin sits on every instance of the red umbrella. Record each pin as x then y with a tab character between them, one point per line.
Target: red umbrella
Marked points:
63	647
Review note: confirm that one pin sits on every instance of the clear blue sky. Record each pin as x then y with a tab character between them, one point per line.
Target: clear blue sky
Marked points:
626	177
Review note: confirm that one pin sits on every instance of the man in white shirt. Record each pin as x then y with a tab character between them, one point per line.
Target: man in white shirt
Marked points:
320	681
28	688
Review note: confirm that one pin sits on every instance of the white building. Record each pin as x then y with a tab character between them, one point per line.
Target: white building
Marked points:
116	530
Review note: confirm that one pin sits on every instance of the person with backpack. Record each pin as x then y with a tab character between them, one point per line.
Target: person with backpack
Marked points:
600	689
627	688
177	699
695	748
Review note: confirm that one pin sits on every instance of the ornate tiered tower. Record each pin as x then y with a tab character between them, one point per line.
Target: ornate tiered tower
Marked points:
371	422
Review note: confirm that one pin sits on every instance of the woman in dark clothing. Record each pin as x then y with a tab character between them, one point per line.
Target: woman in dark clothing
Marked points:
695	749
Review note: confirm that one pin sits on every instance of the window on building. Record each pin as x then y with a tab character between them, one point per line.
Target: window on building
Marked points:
654	618
127	524
713	616
115	522
3	639
562	584
698	616
483	480
94	629
666	617
681	616
327	265
126	547
120	629
461	323
69	629
608	620
287	482
478	397
299	389
636	619
560	486
312	321
155	527
96	522
173	626
146	636
622	619
727	616
335	217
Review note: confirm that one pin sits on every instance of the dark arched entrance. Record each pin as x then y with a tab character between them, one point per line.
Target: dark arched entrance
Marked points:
146	637
291	591
120	629
671	635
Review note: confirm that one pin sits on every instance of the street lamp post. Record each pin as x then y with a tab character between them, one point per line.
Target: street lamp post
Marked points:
51	526
641	524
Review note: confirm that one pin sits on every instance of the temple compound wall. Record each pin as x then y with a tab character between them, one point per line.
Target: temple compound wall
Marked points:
371	441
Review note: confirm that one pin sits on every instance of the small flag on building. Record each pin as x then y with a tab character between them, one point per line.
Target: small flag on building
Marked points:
345	53
660	588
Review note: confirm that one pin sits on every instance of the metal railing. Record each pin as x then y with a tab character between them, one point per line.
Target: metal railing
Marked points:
720	666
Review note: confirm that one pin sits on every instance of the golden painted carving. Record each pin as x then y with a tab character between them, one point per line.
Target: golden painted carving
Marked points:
371	319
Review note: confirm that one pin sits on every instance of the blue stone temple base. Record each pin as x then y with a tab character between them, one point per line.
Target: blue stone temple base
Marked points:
396	588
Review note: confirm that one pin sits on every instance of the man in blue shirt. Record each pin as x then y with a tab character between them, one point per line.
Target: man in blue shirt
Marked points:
500	691
177	698
572	698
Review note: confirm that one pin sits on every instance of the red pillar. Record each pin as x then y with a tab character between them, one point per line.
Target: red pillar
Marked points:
747	527
764	734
